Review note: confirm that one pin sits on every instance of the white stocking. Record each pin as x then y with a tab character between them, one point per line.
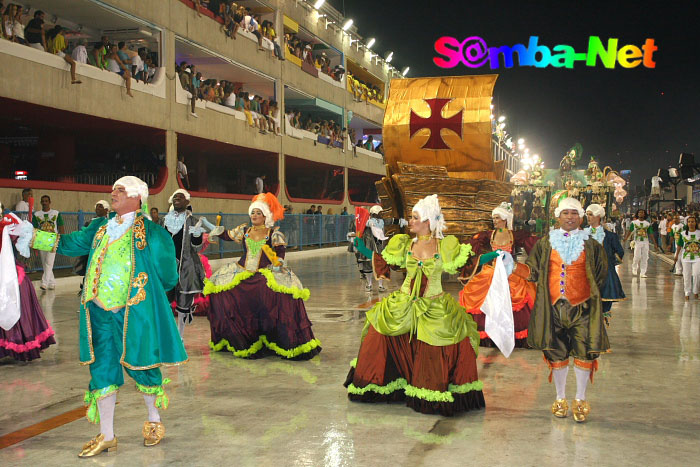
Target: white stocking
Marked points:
106	408
381	282
153	415
582	377
181	317
369	279
559	375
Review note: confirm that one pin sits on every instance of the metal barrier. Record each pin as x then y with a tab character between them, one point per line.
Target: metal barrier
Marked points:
301	230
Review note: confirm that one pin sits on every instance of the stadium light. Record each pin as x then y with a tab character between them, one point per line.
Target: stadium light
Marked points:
521	141
501	119
347	25
319	4
405	71
370	43
389	57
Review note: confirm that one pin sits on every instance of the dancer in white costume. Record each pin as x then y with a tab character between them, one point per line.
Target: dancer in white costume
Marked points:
640	229
688	250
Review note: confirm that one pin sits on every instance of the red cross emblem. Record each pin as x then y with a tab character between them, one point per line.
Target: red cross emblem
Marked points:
435	123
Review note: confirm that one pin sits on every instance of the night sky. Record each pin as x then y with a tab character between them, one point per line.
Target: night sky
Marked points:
639	118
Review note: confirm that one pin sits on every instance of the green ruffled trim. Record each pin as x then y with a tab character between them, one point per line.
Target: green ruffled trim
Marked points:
162	400
295	292
91	398
439	396
385	390
211	288
262	341
394	260
465	251
353	363
466	387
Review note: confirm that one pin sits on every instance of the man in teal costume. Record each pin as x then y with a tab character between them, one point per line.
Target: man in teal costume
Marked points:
125	317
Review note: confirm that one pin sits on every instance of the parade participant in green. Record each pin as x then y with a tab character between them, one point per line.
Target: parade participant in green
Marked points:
689	252
569	267
125	318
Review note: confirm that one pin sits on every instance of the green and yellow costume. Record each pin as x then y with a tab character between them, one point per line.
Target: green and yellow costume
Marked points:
125	317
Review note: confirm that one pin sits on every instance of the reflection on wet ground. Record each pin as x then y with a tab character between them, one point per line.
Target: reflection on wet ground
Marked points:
645	402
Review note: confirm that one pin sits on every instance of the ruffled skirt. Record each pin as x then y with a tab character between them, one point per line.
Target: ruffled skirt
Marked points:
253	314
432	379
522	295
32	333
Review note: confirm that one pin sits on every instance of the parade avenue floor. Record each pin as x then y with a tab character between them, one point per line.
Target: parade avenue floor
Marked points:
645	402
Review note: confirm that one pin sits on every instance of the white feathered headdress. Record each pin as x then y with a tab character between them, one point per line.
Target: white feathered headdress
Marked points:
429	210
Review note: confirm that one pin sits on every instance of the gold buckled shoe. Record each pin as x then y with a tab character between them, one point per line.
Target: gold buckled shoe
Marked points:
581	410
98	444
560	408
153	433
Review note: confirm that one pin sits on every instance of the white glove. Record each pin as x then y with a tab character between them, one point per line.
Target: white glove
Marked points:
403	222
197	230
508	262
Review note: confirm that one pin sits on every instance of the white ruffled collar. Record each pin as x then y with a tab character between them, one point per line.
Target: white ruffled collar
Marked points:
597	233
569	245
118	225
173	221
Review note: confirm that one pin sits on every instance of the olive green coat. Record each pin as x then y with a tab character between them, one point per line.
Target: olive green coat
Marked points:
541	328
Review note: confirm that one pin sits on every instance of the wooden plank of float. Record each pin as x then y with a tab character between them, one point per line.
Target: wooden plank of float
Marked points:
451	201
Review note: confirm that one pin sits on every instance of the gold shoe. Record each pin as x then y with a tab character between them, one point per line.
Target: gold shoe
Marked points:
98	444
153	433
581	410
560	408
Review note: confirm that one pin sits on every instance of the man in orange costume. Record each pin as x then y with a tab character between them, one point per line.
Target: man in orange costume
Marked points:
567	320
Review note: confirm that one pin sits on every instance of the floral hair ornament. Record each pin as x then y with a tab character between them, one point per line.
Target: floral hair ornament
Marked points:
428	209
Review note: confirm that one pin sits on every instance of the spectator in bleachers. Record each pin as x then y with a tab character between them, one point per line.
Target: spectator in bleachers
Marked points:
270	35
370	143
123	54
80	54
232	18
182	172
275	118
260	184
56	43
115	65
250	24
18	27
34	32
311	210
8	16
99	54
197	83
185	75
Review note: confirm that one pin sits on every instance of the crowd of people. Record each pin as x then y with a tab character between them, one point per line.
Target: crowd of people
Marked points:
362	91
304	51
236	17
117	58
261	113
